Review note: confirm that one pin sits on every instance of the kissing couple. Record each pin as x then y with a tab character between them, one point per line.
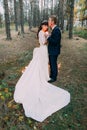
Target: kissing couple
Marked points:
40	98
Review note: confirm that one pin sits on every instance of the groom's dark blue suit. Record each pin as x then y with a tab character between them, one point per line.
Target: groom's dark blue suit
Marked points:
54	47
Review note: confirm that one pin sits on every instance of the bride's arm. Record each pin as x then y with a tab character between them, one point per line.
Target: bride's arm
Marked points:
42	38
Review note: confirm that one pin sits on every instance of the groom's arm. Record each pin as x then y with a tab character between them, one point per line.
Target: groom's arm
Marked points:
55	37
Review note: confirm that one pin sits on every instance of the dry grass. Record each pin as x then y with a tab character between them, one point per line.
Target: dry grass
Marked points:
72	77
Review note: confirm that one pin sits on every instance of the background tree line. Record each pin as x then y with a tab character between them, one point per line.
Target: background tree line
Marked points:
32	12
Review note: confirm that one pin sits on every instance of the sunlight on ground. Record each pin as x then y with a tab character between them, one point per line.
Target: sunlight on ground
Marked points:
24	68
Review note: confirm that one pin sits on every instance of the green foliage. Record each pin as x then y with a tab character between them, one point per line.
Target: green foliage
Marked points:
81	33
73	78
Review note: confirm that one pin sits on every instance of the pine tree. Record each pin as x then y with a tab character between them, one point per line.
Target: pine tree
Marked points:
7	20
15	11
21	16
71	18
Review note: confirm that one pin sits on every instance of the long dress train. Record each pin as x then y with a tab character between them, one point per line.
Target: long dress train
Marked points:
39	98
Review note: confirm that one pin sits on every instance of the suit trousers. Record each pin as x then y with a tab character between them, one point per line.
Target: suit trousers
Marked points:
53	66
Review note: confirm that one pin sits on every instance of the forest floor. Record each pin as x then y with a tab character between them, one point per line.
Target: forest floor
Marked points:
15	55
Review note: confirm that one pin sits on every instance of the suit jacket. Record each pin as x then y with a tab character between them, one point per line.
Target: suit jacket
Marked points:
54	42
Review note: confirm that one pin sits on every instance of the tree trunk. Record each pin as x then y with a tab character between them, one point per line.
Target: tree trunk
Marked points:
52	10
7	20
41	13
1	18
31	15
44	15
61	15
71	19
21	16
15	11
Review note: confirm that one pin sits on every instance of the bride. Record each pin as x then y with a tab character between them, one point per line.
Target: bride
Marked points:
39	98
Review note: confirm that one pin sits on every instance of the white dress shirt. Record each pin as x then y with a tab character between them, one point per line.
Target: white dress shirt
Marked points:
54	27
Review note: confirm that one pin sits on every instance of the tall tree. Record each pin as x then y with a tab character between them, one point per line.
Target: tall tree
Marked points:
67	14
31	14
35	13
61	14
15	11
45	11
7	20
52	9
41	9
21	16
26	10
11	10
0	20
71	18
56	7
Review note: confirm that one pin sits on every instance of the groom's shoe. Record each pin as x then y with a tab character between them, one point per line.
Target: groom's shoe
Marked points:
51	81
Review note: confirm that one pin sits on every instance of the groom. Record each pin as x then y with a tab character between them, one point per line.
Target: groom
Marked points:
54	46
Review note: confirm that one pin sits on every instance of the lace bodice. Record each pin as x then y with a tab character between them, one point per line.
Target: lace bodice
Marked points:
42	38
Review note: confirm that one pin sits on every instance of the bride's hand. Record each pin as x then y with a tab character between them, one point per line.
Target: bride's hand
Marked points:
47	34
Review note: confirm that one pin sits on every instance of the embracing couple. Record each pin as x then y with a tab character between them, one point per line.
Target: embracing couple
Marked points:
39	98
53	40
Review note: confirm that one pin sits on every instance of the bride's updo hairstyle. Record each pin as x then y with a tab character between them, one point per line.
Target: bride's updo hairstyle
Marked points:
45	22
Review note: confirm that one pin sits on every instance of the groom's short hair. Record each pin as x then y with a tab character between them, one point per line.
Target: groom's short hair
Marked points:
54	18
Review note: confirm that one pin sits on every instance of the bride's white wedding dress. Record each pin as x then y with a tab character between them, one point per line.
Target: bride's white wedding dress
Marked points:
39	98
